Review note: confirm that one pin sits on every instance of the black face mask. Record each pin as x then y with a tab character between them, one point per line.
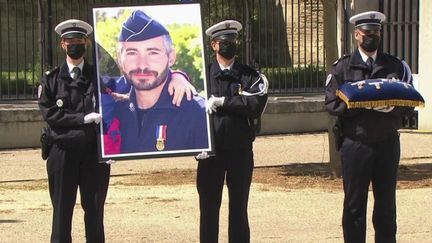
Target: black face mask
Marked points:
227	49
370	43
75	51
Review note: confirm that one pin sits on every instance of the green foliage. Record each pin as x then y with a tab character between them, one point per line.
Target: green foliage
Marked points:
110	27
189	54
21	82
186	39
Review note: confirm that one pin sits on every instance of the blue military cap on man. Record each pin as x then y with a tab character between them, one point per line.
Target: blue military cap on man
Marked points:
139	26
73	28
370	20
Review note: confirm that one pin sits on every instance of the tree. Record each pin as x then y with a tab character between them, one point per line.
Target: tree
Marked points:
186	40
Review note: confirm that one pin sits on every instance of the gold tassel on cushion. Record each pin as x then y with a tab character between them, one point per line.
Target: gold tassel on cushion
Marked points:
377	103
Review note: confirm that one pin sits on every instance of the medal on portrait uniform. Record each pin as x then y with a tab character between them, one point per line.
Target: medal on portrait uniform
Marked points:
160	137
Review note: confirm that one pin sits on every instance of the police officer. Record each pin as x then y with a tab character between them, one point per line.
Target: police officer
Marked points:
238	96
149	121
67	103
370	148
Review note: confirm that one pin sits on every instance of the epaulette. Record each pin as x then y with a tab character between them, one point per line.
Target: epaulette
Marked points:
342	58
393	56
51	71
249	69
397	59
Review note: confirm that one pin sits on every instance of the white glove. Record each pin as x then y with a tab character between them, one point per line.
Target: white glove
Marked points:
110	161
384	108
92	117
213	103
202	155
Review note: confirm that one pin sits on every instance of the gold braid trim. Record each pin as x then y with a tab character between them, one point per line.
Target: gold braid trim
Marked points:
376	103
342	97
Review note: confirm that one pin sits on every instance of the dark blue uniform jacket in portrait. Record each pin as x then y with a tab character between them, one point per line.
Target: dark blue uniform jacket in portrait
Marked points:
64	102
234	121
186	126
120	86
362	124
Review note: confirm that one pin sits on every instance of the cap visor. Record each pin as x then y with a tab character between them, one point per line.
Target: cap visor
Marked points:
226	37
370	26
74	35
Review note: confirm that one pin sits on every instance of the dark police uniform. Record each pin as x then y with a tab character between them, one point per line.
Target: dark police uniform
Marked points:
73	159
185	126
370	148
233	134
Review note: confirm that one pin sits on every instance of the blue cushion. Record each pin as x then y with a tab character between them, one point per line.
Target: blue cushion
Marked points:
379	92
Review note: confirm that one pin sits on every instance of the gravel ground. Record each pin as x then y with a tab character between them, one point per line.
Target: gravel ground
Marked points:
293	197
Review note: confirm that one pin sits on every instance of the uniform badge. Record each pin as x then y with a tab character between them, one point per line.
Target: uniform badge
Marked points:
160	137
40	91
329	77
59	103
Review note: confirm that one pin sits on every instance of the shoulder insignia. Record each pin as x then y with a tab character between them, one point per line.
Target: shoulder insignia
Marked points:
398	60
342	58
40	90
329	77
393	57
390	55
250	69
49	72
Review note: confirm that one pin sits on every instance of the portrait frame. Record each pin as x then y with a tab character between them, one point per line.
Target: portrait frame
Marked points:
126	67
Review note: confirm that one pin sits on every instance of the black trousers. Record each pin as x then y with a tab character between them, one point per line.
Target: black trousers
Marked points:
237	166
67	169
361	164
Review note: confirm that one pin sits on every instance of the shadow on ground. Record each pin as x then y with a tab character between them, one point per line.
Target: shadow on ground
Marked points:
290	176
9	221
301	175
415	172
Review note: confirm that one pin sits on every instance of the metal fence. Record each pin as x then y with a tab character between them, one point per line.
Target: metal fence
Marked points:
282	38
401	30
19	49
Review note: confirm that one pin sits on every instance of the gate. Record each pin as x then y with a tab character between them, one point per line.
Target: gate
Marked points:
282	38
401	30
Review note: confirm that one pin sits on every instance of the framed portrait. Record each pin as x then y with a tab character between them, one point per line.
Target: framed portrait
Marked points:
146	57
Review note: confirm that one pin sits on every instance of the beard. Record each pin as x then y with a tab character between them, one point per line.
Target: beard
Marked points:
144	83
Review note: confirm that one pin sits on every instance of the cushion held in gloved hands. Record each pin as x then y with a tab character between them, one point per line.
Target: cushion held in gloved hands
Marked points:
379	92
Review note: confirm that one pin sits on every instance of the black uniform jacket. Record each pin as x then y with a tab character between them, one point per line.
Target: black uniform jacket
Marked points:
233	122
361	124
64	102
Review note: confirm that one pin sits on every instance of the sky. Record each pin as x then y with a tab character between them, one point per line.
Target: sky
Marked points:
164	14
